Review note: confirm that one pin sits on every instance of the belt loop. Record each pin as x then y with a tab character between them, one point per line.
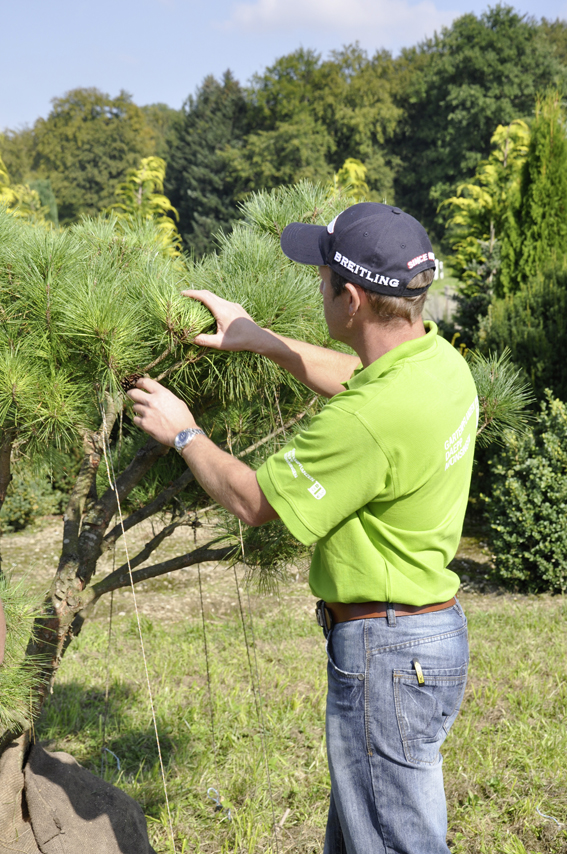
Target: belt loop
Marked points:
391	614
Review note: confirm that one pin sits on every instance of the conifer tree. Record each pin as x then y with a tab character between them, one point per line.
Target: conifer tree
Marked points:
479	215
536	235
351	179
84	312
21	199
198	181
87	310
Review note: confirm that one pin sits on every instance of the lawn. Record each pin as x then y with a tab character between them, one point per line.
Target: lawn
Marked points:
504	759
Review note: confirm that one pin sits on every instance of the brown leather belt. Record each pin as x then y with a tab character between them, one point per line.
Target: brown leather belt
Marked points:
342	613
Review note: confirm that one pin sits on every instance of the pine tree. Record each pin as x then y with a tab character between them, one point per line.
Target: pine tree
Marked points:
198	181
84	312
535	235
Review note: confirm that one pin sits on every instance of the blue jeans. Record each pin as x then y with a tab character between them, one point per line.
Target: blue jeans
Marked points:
384	730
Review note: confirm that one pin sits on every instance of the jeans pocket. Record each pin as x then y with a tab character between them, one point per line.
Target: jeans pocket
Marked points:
425	713
346	653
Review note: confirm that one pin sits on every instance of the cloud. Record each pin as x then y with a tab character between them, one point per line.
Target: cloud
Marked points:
385	22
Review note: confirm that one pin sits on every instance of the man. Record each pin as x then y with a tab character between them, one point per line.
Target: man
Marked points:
380	482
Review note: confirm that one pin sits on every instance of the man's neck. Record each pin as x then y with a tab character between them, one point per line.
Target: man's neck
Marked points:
375	339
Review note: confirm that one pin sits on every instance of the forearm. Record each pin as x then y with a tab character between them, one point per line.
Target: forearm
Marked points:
318	368
231	483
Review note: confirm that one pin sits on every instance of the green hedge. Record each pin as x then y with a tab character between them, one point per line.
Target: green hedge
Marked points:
532	324
527	507
30	495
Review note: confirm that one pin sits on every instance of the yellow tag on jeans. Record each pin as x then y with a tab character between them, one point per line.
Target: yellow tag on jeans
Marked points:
419	672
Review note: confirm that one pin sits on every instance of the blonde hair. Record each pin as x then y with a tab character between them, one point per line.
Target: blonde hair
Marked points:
392	308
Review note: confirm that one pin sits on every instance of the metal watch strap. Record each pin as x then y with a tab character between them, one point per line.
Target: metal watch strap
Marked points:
185	436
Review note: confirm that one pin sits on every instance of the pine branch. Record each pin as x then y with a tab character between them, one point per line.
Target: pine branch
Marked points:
157	360
121	577
188	360
153	544
274	433
504	396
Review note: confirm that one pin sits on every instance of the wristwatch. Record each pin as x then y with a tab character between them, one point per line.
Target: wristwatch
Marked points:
185	436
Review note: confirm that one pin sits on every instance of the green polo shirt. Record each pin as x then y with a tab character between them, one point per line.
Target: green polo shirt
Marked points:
380	479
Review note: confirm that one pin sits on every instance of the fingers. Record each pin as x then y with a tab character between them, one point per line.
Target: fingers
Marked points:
149	385
145	388
208	298
137	395
205	340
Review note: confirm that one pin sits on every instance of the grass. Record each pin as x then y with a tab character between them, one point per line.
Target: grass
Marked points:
504	759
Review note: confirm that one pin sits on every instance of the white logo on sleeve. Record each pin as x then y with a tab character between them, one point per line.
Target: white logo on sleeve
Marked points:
457	445
315	489
289	457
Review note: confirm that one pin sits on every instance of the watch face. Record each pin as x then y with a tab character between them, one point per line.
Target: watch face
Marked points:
181	438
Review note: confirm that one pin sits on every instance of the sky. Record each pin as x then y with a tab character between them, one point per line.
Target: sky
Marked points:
161	50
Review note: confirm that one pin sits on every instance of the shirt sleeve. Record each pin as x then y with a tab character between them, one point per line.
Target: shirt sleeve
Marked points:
325	474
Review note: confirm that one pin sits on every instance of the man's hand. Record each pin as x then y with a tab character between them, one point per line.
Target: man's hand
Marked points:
235	328
227	480
159	412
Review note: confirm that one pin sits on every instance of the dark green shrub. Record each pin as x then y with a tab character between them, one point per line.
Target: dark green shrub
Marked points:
30	495
532	323
527	508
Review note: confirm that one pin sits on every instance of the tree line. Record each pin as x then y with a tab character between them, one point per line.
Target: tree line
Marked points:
419	123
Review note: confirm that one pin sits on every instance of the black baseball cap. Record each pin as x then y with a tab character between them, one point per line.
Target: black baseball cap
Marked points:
379	247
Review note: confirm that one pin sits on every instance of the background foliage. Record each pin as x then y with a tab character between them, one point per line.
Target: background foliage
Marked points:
532	323
420	124
528	503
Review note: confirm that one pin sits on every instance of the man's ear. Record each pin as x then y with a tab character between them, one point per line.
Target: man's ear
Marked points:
356	297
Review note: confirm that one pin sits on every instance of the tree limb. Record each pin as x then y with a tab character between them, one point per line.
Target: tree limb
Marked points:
159	359
51	630
121	576
153	544
279	430
159	502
